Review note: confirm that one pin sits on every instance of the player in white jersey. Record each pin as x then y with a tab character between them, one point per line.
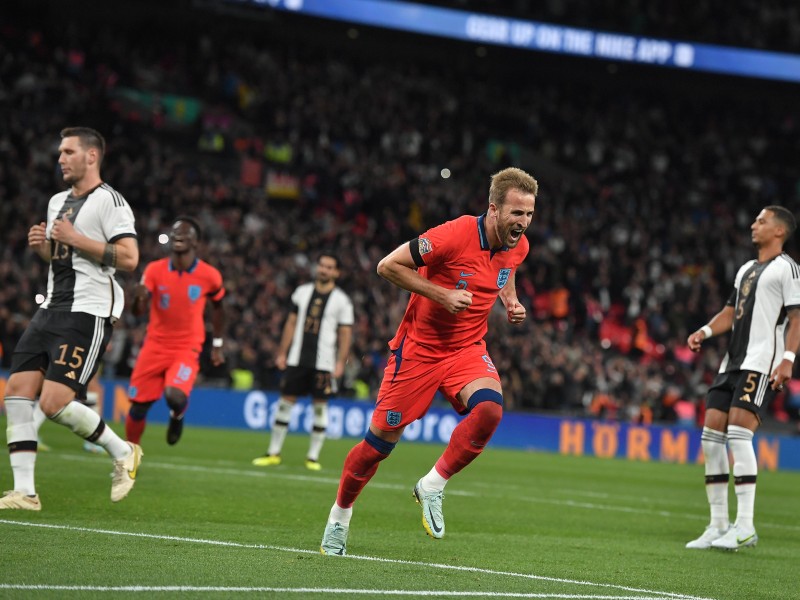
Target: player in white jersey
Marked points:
313	352
89	234
763	315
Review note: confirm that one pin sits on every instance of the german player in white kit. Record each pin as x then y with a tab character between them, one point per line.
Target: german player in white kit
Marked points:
88	236
763	316
313	351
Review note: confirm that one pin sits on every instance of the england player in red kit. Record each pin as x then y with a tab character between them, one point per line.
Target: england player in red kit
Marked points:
177	288
455	272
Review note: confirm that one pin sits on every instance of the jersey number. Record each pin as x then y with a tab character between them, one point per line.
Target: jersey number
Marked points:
60	251
312	325
75	358
751	383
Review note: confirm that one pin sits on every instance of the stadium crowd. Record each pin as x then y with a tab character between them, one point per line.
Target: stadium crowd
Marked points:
281	149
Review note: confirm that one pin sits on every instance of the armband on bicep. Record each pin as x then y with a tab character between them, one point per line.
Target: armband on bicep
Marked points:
109	256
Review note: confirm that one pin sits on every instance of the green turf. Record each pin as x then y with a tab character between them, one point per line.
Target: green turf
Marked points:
530	524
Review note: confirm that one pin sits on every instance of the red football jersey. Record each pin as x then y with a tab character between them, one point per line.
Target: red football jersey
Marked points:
178	299
456	255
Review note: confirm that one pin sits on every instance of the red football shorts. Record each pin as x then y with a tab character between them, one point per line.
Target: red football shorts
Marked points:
409	386
158	367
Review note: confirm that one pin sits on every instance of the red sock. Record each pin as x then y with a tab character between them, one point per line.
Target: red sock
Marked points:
359	467
134	430
469	438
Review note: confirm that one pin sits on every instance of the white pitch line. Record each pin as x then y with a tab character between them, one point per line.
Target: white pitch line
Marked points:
284	590
623	588
393	486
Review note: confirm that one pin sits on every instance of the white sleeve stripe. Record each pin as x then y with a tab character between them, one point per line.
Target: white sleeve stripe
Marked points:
793	265
118	202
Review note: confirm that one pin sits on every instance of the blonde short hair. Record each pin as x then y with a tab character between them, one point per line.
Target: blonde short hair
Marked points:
508	179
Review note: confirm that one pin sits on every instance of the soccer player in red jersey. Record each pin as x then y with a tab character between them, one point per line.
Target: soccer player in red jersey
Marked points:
454	272
176	288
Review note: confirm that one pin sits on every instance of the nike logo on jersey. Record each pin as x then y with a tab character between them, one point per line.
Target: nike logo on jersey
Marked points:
462	274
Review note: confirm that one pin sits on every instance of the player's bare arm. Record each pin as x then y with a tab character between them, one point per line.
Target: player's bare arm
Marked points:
37	240
286	341
123	254
721	323
141	300
217	331
344	341
783	372
515	312
398	268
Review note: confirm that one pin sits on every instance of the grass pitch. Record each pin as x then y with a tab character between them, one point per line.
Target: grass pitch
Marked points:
203	523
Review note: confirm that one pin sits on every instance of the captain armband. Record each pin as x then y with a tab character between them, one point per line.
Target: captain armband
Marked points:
109	256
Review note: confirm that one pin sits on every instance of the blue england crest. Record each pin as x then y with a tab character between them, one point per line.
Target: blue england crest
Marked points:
502	277
194	292
393	418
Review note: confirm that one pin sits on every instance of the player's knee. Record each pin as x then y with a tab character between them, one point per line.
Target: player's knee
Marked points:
176	399
379	444
320	423
283	413
488	405
138	410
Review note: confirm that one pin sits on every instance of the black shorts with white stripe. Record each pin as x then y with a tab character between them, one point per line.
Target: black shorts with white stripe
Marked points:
749	390
67	346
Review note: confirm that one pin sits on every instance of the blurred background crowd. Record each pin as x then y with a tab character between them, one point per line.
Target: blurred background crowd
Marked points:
284	136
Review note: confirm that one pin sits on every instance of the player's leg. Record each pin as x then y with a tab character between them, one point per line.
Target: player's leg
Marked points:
28	364
179	381
21	389
91	397
473	386
318	430
751	396
38	420
280	427
467	442
177	402
324	387
715	453
405	394
296	382
717	474
136	421
145	388
360	466
80	342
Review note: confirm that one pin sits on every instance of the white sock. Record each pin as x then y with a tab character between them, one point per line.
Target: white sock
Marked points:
340	515
716	459
114	445
432	482
280	427
38	416
745	470
92	401
83	421
20	429
320	426
23	465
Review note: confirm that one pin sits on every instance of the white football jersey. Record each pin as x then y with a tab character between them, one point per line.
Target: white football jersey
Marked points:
76	282
763	293
316	334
